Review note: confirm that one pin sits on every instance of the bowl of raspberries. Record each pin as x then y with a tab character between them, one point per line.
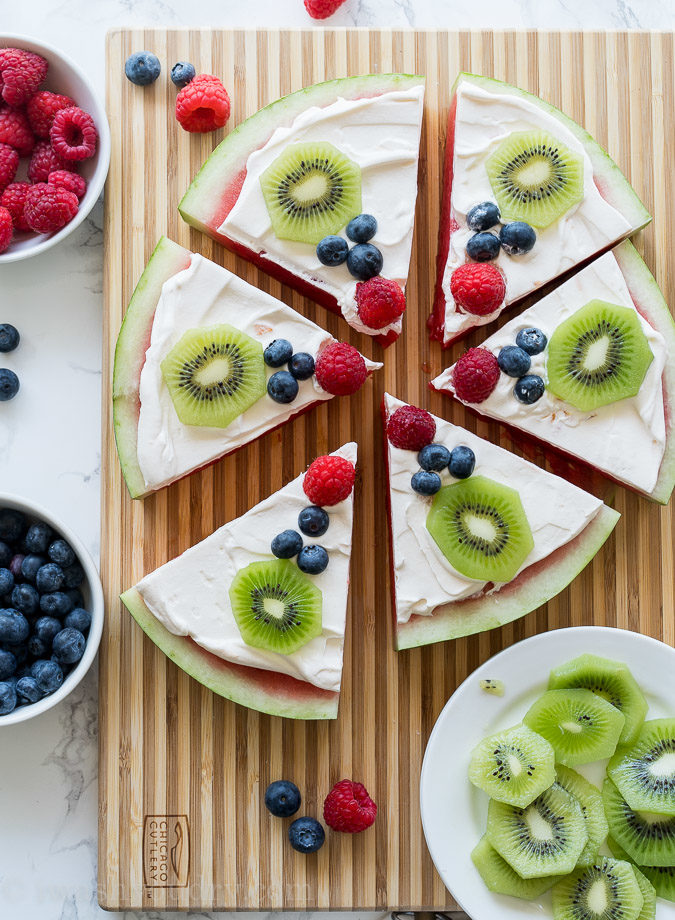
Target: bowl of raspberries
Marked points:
54	147
51	610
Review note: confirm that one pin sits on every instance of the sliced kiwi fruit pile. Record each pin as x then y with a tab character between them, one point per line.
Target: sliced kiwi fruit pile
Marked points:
598	356
311	190
535	177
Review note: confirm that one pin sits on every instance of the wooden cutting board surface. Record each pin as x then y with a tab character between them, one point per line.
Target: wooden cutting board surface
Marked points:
184	768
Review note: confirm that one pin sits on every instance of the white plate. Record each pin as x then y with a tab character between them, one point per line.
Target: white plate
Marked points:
454	812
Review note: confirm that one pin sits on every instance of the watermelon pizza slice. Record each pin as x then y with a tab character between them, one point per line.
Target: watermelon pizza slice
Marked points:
479	536
257	610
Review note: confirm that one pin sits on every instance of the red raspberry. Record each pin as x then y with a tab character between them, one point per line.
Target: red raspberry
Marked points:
41	109
15	131
340	369
68	180
48	207
21	72
322	9
43	161
14	199
349	808
9	162
73	134
203	105
6	229
411	428
478	287
329	480
475	375
379	301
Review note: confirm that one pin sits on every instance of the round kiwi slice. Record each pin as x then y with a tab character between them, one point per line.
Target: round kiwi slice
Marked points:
276	607
645	773
598	356
545	838
535	178
213	374
590	800
481	528
311	190
661	877
607	890
609	679
648	838
513	766
502	879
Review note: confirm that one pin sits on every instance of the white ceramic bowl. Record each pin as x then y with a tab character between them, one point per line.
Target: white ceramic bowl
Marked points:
64	76
93	599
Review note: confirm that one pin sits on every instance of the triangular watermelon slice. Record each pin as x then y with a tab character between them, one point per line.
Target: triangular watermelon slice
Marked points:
375	120
180	291
187	607
504	513
486	118
632	439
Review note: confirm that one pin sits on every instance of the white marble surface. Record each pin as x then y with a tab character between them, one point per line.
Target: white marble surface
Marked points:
49	435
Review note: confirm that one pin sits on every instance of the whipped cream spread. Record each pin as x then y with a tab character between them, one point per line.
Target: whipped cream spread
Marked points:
556	512
625	439
205	294
382	135
190	594
484	119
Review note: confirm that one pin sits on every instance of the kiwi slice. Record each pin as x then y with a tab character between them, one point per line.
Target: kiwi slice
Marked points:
213	374
276	607
494	687
589	798
645	773
648	838
609	679
535	178
481	528
648	891
661	877
513	766
607	890
545	838
598	356
500	878
581	726
311	190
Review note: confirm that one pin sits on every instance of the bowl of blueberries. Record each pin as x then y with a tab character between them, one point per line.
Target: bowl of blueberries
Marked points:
51	610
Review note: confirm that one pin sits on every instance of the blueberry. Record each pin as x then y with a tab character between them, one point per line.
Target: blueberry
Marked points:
48	675
6	581
483	216
45	628
5	554
73	594
301	365
12	525
313	521
362	228
49	578
142	68
37	648
73	576
14	627
27	690
9	384
364	261
306	835
282	387
37	538
9	338
8	664
57	604
26	599
7	697
332	250
517	238
483	247
287	544
78	619
514	361
278	353
531	340
462	462
425	483
433	457
61	553
15	564
182	73
30	566
68	645
312	559
282	798
529	389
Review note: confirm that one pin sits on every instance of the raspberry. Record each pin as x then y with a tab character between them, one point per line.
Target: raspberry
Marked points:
43	161
41	109
21	72
349	808
340	369
203	105
379	302
73	134
48	207
329	481
475	375
64	178
15	130
477	287
9	162
6	229
411	428
322	9
14	199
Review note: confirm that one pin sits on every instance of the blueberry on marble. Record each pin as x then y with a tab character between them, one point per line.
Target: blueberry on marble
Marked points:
45	628
7	697
68	645
6	582
483	216
517	238
301	365
282	387
425	483
312	559
38	537
79	618
182	73
12	525
14	627
282	798
287	544
514	361
61	553
531	340
362	228
462	462
30	566
483	247
364	261
9	384
142	68
73	576
25	599
332	250
49	578
306	835
313	521
8	664
48	675
433	458
57	604
278	353
27	690
9	338
529	389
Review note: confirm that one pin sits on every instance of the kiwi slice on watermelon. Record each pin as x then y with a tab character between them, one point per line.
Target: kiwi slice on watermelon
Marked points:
213	374
500	878
647	837
607	890
645	773
661	877
589	798
513	766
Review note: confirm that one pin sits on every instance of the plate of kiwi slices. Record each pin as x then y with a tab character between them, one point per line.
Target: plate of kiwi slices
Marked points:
548	782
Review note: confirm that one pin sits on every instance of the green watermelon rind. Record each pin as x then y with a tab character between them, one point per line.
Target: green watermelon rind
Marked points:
264	691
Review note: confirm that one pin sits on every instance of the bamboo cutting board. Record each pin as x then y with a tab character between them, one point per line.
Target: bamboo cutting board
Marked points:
182	772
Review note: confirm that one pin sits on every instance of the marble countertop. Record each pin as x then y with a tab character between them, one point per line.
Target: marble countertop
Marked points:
50	435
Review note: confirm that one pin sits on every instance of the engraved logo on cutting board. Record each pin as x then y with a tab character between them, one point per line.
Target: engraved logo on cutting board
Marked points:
166	851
